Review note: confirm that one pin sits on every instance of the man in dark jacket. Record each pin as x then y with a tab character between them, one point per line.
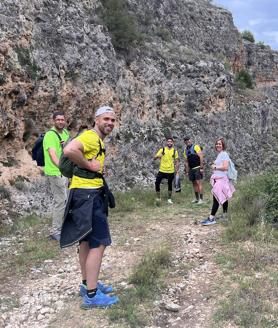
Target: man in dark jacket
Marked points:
194	168
86	213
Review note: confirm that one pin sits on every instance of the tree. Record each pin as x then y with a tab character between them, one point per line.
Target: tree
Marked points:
247	35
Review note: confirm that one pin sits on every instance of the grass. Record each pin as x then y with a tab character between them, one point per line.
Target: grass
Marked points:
249	256
32	247
147	280
20	224
145	199
252	210
34	252
246	260
246	306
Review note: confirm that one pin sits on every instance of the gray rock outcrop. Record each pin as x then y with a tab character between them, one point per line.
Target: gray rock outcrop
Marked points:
181	79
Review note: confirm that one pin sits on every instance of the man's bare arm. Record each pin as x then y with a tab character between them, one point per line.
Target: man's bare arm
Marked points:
186	166
74	151
53	156
201	156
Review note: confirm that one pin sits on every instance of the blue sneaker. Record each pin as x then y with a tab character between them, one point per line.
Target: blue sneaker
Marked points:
208	221
99	300
105	289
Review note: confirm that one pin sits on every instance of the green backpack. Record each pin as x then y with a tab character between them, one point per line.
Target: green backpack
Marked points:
68	168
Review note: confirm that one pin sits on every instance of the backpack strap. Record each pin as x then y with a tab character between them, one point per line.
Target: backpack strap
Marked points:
163	152
101	149
57	134
191	150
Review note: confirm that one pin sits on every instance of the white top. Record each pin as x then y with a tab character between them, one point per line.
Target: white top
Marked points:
222	156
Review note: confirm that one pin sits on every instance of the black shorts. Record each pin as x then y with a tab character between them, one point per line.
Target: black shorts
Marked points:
195	174
100	234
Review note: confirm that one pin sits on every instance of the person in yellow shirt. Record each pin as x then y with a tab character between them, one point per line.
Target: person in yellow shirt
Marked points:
169	165
85	219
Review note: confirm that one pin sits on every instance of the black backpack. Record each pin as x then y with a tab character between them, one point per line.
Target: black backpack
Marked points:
37	150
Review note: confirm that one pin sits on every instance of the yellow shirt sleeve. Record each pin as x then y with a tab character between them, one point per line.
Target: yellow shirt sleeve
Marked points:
159	152
176	154
90	143
197	148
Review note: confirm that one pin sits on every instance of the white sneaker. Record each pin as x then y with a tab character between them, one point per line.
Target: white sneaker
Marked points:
169	201
200	201
194	201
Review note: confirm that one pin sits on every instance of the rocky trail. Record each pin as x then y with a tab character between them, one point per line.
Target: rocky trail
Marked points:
47	295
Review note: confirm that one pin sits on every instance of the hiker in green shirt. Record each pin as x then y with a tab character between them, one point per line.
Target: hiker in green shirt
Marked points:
52	148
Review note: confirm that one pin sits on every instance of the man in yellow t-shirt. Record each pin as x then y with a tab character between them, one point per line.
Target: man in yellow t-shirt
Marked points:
86	213
169	165
52	149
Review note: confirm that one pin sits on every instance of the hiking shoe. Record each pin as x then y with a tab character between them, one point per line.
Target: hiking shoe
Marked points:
55	236
105	289
194	201
200	201
99	300
208	221
169	201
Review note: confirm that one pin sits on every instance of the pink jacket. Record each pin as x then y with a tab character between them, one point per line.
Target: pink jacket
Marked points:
222	188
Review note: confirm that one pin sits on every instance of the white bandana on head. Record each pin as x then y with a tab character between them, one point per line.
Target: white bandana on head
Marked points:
103	110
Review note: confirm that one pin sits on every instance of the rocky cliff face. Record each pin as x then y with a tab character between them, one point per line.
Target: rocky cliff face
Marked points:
179	80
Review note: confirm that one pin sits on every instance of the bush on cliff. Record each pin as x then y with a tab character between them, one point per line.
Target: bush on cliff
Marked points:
243	80
247	35
121	24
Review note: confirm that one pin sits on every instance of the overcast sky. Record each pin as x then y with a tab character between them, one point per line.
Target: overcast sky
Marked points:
258	16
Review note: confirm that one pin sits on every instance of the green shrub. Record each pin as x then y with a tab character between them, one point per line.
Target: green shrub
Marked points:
4	193
163	33
271	204
256	205
146	278
26	222
243	80
25	60
261	44
19	182
247	35
147	273
121	24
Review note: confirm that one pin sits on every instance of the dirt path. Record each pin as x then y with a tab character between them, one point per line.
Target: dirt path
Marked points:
49	293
